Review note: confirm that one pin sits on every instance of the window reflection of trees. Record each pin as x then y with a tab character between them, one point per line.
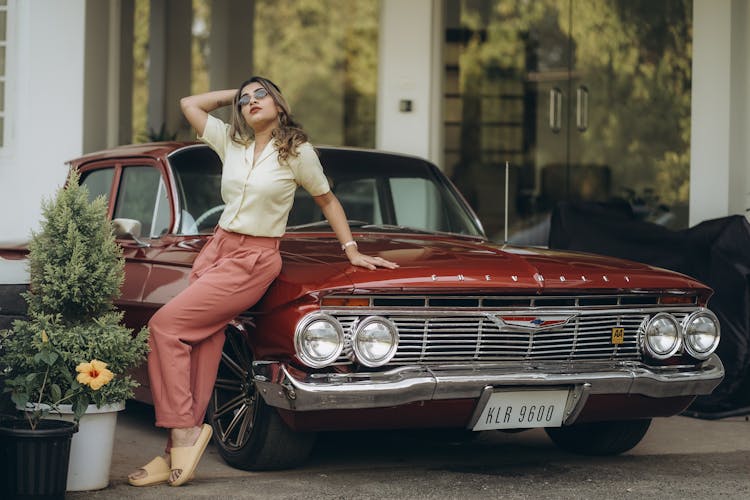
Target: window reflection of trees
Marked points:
323	54
634	57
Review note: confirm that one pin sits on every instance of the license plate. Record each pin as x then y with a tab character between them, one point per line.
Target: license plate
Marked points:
522	410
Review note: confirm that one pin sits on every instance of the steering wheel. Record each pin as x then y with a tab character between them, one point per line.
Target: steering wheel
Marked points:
208	213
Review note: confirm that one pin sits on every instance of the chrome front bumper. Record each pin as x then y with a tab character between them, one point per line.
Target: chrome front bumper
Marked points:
403	385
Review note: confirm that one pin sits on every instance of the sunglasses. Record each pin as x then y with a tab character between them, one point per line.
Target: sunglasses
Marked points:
258	94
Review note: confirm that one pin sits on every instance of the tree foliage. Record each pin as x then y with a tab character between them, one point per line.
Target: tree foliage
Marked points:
323	54
76	266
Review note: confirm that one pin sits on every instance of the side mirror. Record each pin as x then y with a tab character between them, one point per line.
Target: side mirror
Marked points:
128	229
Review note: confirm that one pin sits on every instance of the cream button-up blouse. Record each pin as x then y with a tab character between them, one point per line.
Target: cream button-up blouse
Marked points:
259	197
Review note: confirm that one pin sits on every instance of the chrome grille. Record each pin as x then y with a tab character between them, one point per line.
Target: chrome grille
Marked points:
439	335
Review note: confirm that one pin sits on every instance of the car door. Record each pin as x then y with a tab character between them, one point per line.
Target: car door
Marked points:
135	190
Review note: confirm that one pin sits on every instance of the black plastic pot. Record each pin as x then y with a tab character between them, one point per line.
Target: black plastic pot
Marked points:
35	462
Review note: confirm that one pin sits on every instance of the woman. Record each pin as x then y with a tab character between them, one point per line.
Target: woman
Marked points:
265	156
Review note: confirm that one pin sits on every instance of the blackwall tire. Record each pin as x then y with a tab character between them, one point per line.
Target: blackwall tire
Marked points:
600	438
248	433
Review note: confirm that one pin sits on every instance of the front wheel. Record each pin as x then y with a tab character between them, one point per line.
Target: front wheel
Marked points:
599	438
250	434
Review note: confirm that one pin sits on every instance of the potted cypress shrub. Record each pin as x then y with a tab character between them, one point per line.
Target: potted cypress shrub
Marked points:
73	355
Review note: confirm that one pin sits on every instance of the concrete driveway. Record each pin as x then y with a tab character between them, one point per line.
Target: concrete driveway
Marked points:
679	458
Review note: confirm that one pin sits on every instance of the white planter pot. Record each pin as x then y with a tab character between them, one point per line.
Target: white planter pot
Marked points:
91	447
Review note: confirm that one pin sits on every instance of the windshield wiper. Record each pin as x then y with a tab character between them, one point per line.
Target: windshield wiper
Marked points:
392	227
324	223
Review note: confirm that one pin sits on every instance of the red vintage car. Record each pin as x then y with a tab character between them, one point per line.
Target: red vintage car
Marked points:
465	334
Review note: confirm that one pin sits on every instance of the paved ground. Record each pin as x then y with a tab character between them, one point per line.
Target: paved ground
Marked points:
679	458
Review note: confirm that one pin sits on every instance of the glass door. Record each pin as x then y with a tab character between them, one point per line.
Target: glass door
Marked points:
630	105
574	96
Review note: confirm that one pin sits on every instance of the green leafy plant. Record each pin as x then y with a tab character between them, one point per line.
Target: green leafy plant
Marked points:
73	348
158	135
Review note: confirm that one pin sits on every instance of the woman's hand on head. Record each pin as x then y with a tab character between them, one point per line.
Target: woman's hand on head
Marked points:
368	261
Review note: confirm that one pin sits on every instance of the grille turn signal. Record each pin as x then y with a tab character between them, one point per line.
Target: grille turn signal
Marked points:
345	302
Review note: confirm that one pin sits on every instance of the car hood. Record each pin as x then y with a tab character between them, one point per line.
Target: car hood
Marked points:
438	264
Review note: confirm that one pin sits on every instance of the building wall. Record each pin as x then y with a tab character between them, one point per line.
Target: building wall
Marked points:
45	108
409	74
720	121
59	62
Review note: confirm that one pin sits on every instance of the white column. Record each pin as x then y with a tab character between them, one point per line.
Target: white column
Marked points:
157	68
44	95
108	74
125	82
169	63
178	65
720	149
231	42
410	74
101	78
740	156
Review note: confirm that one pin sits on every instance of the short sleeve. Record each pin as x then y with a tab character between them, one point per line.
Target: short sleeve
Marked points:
308	172
216	135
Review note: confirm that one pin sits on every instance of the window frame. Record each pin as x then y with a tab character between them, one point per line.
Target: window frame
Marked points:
129	171
119	165
6	76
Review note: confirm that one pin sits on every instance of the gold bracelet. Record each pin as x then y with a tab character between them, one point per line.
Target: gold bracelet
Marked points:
348	244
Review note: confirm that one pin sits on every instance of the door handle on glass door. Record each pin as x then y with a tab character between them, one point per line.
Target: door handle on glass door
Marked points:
582	108
555	109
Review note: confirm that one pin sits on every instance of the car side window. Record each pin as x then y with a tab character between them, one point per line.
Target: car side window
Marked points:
143	196
98	182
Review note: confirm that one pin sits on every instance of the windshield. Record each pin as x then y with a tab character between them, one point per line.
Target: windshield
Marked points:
380	189
377	190
197	174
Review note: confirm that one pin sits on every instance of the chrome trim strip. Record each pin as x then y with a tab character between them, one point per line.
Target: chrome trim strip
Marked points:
325	391
487	311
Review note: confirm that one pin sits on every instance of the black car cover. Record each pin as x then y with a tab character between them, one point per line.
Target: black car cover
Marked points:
715	252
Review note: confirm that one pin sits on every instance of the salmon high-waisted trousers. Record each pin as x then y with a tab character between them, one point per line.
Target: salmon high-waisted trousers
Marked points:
231	273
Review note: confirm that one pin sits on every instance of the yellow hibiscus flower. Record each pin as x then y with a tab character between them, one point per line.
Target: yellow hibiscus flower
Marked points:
94	374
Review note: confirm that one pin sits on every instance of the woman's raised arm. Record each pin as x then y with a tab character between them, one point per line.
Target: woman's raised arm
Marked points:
196	107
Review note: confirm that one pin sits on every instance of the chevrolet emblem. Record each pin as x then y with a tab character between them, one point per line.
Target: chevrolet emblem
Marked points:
534	323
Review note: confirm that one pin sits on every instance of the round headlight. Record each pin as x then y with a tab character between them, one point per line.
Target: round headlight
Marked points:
318	340
662	336
374	341
702	332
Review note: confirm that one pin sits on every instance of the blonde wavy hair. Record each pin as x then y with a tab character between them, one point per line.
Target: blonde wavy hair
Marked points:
287	137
